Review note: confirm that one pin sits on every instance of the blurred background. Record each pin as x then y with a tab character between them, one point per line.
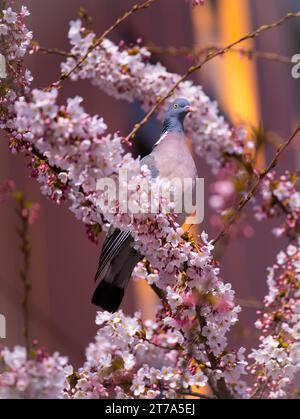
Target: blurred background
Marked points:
63	260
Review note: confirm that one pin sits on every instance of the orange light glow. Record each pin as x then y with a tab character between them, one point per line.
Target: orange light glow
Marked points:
237	82
232	77
146	299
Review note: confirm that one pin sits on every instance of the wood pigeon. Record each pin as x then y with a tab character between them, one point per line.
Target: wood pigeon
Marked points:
170	158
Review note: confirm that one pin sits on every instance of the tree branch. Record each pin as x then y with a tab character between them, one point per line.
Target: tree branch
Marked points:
55	51
197	67
24	271
98	41
255	186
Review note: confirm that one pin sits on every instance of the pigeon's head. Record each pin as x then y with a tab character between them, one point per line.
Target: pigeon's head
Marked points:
175	115
179	109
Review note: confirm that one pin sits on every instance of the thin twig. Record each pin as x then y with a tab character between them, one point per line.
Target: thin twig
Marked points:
55	51
249	303
199	395
99	40
167	348
197	67
24	271
198	52
260	390
255	186
280	204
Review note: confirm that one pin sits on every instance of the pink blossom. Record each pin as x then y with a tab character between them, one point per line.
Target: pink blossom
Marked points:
6	190
223	305
31	213
31	377
195	3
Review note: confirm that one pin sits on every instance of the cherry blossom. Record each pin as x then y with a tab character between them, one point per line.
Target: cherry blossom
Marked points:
280	196
31	376
277	359
148	355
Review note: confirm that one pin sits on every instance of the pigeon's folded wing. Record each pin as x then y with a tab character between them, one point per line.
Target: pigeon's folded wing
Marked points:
111	248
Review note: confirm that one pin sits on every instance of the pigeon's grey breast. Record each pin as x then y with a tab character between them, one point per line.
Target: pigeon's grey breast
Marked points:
173	158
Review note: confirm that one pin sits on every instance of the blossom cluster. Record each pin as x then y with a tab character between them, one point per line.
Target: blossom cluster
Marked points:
277	359
34	375
69	139
225	193
15	40
202	307
132	359
280	196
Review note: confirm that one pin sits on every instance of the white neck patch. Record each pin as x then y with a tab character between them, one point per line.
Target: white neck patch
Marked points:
161	138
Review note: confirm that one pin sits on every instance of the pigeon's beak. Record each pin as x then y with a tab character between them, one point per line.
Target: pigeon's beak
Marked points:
188	108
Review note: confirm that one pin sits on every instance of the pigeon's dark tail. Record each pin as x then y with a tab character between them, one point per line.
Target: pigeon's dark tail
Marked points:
114	281
108	296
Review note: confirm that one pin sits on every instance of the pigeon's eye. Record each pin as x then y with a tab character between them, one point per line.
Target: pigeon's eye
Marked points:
175	106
